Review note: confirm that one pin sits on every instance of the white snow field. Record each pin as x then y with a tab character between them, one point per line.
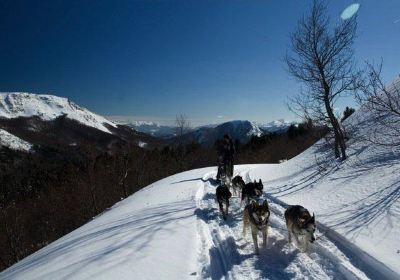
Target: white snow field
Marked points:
13	142
47	107
172	229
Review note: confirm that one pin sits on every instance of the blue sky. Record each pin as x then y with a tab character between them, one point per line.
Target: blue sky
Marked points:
211	60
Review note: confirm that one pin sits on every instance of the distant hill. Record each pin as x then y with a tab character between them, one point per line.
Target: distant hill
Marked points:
241	130
28	119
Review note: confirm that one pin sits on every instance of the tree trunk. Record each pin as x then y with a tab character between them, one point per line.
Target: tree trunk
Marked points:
337	130
336	146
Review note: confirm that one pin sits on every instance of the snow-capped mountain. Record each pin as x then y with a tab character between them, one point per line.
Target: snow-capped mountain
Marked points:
275	126
47	120
238	130
48	107
241	130
153	128
149	127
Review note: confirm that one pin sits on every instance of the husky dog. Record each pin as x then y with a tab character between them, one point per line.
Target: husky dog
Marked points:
257	217
223	196
237	184
251	191
300	224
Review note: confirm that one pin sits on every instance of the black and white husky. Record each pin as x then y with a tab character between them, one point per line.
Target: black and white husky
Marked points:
256	216
300	225
251	191
223	195
237	185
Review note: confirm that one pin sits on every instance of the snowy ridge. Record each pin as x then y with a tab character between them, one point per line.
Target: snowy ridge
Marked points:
203	132
149	123
275	126
48	107
13	142
239	129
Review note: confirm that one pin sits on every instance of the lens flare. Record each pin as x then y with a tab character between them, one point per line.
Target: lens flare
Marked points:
350	11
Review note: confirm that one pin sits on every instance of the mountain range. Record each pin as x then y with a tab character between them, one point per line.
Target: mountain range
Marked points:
28	119
45	120
241	130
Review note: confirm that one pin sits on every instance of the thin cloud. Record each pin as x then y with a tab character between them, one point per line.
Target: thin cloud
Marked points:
396	21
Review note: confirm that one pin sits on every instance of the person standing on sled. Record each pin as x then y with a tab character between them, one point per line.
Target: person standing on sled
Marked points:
226	157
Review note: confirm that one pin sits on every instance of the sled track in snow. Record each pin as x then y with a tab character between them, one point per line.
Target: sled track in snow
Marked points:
225	254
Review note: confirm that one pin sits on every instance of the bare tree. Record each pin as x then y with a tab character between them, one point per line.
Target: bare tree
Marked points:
124	168
321	57
383	102
92	186
182	127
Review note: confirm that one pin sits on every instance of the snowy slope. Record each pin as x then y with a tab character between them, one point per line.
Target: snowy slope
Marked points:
48	107
359	198
13	142
173	230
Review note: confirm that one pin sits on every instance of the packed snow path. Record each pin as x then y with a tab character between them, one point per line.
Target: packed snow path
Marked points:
172	229
225	253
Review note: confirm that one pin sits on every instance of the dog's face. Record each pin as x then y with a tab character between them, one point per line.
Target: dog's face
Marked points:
260	212
308	228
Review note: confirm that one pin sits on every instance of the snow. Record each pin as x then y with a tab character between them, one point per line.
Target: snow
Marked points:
13	142
240	129
358	198
275	126
150	235
255	130
172	229
48	107
142	144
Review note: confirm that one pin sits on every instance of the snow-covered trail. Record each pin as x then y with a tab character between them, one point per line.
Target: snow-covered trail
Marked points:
225	253
172	229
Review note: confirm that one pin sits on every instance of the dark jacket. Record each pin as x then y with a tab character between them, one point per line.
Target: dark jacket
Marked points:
228	150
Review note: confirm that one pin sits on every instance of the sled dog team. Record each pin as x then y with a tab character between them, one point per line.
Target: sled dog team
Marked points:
300	224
